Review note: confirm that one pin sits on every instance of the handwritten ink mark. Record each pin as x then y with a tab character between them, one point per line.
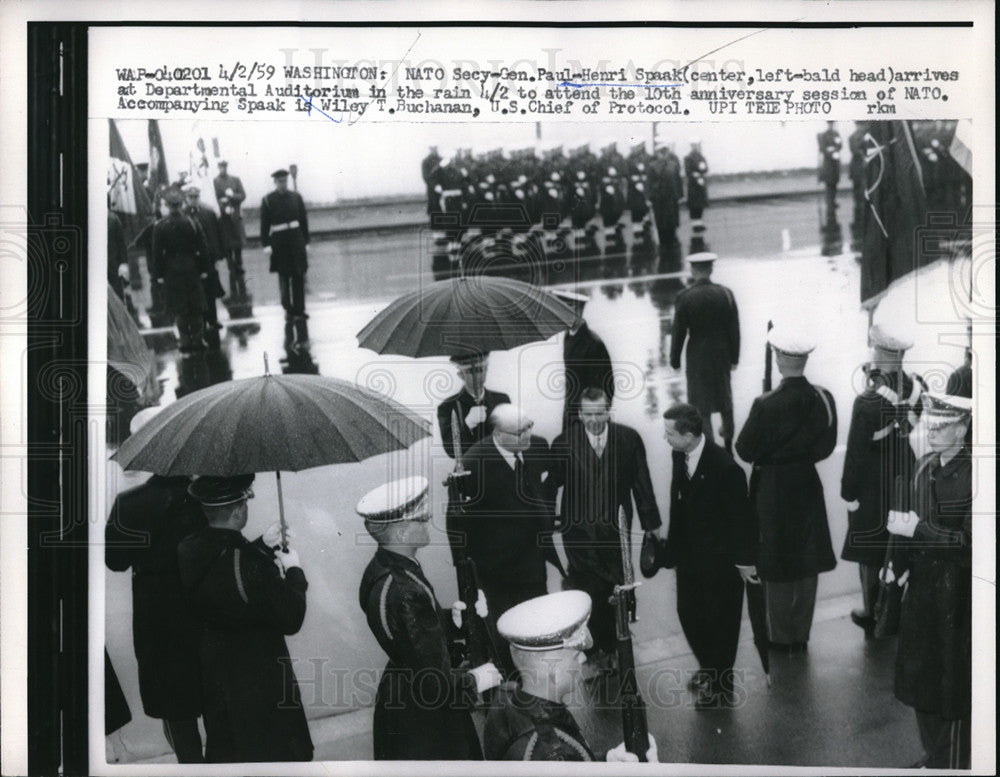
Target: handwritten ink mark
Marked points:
636	86
312	108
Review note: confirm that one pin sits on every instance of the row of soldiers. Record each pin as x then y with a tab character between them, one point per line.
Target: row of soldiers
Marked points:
560	200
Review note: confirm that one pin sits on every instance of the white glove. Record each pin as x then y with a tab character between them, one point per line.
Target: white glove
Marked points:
229	192
853	506
481	609
475	416
487	676
123	271
902	524
267	250
749	574
272	536
457	608
621	755
286	559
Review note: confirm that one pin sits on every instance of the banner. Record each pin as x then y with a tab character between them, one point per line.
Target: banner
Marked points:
126	197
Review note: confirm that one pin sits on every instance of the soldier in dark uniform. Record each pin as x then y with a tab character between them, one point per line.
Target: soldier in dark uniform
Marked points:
788	431
666	190
586	360
181	262
696	172
248	596
208	223
856	171
707	317
829	166
530	722
878	455
230	195
284	233
934	660
145	525
637	197
422	710
612	168
581	193
473	404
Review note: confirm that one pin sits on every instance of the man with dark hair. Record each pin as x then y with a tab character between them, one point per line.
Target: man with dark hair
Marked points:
585	357
788	431
248	596
711	543
706	316
600	466
423	702
284	233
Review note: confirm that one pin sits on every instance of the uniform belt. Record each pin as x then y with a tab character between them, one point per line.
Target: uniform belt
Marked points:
284	227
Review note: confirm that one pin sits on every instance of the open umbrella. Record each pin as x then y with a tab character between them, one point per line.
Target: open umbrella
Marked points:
466	315
270	423
757	610
128	353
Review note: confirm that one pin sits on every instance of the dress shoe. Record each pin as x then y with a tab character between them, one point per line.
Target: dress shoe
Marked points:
863	620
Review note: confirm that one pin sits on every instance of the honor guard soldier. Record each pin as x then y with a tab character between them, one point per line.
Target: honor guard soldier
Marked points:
637	198
180	263
666	191
422	709
585	358
934	659
788	431
856	171
696	172
706	316
829	166
229	193
878	457
248	596
284	233
612	167
208	223
547	637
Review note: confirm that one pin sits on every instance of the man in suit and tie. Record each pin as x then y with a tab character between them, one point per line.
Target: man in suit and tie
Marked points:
507	522
472	407
600	467
710	542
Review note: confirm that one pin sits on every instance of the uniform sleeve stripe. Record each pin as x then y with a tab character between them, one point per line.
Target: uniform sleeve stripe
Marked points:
881	434
239	576
382	602
826	404
573	743
530	749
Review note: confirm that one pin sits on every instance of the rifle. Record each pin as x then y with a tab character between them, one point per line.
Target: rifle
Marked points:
634	724
768	358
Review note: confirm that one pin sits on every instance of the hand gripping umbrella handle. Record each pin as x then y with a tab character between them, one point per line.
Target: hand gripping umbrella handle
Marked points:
281	516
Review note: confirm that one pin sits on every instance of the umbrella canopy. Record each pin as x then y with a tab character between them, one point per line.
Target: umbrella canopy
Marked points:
270	423
127	351
757	610
465	315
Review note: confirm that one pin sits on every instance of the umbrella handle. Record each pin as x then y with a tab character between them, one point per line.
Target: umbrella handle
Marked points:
281	516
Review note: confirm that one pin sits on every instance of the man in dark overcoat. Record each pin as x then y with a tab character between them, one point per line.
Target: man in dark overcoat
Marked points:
934	659
856	172
208	223
507	520
586	359
422	709
473	406
145	525
666	190
600	467
829	143
696	173
181	261
248	597
788	431
706	316
878	456
229	193
284	233
712	543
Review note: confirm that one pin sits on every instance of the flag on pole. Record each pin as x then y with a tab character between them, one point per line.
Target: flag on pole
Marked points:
127	199
159	179
896	209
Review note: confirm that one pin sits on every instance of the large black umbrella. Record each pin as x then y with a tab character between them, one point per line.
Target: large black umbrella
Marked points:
466	315
757	610
270	423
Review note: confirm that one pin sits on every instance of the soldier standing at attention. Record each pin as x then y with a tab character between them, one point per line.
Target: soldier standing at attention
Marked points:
788	431
422	710
208	223
829	166
696	170
706	316
547	637
878	453
284	233
230	195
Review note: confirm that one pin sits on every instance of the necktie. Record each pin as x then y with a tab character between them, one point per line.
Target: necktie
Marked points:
598	447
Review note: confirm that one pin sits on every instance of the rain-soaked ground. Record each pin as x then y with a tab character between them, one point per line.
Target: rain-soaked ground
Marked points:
831	707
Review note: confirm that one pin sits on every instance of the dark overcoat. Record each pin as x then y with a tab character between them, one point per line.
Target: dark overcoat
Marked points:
878	452
422	708
788	431
145	526
696	170
706	316
666	189
587	363
288	246
180	256
234	234
253	711
934	660
829	148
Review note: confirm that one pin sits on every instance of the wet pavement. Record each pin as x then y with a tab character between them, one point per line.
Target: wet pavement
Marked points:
830	707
